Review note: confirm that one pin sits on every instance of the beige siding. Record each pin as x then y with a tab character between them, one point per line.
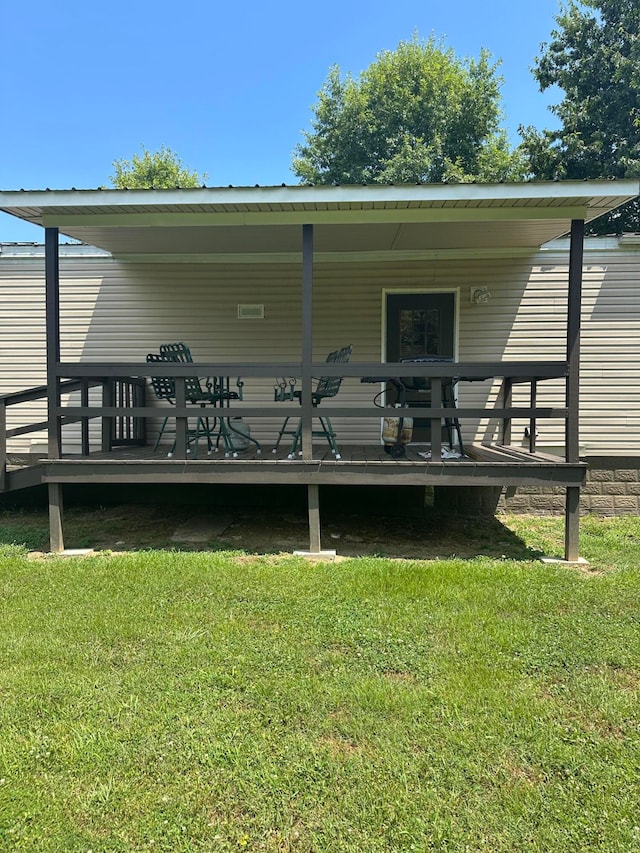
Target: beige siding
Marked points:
111	310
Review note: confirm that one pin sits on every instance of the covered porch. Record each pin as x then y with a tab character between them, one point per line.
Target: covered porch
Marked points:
307	229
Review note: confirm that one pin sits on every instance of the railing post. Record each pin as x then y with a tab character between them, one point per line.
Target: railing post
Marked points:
107	421
3	445
436	423
507	403
182	423
532	421
84	426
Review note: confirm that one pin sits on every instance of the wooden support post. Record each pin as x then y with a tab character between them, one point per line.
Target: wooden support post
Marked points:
107	421
436	423
84	426
313	497
572	524
573	341
572	446
532	422
182	424
507	403
52	324
3	445
56	538
52	305
307	341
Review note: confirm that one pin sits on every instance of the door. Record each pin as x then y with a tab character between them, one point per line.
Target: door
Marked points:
418	325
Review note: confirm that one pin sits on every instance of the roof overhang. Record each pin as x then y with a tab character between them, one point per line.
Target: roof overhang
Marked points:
264	222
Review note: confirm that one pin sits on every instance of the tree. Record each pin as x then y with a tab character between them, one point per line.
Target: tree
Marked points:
161	169
594	58
415	114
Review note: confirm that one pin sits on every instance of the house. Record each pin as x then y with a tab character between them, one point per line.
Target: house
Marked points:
264	282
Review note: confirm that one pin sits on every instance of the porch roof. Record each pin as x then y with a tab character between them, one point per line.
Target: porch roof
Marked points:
264	221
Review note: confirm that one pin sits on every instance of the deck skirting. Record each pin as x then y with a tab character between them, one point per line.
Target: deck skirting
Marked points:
362	466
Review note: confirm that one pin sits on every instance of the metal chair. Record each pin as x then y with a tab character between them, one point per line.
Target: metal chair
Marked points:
215	393
326	387
164	387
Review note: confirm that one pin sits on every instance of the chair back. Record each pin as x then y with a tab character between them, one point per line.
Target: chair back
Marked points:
164	387
328	386
178	351
181	354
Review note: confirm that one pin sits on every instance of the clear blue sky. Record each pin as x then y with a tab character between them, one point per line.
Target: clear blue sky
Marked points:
229	86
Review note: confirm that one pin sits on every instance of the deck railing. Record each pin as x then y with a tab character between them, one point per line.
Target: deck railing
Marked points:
124	411
124	393
135	374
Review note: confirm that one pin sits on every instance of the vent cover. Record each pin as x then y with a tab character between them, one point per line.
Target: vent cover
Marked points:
250	312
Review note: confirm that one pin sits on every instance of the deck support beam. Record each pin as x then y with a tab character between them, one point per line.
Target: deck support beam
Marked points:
572	524
315	551
313	498
56	537
572	432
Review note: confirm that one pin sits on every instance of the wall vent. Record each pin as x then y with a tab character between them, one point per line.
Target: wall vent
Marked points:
250	312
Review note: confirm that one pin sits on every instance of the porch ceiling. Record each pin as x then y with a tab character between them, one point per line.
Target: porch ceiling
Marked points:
266	220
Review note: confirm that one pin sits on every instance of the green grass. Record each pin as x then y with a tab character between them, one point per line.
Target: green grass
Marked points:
215	701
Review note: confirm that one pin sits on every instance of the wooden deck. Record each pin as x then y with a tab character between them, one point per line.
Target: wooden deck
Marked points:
359	465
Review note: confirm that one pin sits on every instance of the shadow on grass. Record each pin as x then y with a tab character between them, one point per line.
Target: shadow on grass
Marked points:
261	531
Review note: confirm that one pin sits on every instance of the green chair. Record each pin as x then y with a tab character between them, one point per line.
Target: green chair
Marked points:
326	387
164	387
216	393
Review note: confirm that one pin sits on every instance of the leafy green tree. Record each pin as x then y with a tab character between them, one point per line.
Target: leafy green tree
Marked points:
594	58
161	169
417	113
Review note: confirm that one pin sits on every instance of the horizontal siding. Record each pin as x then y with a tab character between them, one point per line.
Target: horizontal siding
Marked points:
111	310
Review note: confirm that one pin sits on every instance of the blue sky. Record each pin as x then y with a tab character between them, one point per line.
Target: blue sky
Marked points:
228	86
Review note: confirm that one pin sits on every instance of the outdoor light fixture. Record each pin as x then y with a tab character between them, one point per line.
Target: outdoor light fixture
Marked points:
480	295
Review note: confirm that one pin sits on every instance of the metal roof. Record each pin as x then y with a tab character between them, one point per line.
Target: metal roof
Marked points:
242	221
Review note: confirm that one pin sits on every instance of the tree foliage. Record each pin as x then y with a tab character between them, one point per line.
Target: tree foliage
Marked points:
594	58
417	113
161	169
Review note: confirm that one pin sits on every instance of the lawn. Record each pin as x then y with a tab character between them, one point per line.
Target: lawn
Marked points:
219	701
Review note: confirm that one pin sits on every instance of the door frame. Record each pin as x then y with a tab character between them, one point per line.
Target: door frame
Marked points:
420	291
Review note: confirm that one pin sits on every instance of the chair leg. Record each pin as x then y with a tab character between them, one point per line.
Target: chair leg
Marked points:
164	423
297	440
327	428
283	429
225	433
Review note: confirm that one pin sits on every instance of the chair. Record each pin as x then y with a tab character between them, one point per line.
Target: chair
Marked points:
326	387
216	393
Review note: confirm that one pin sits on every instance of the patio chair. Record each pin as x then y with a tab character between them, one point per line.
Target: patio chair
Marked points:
326	387
164	387
215	393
